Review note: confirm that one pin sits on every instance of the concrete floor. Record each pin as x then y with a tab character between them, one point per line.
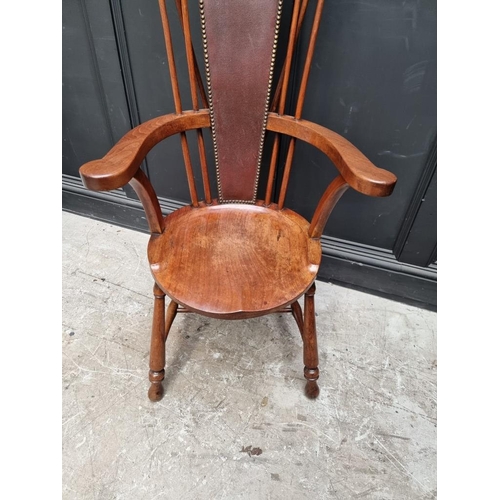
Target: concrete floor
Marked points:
234	423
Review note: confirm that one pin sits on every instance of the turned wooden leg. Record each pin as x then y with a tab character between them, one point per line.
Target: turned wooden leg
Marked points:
311	371
157	354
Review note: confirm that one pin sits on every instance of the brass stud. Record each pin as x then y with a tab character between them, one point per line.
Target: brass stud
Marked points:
210	102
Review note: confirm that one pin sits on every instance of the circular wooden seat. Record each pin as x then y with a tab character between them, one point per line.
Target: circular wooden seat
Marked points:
234	260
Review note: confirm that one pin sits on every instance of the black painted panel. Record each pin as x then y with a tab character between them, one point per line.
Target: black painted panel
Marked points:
373	80
420	246
95	113
413	290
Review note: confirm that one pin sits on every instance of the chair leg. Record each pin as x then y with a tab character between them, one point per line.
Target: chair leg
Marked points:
157	353
311	371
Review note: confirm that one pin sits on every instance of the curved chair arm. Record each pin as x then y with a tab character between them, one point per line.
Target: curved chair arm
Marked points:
122	163
118	166
357	170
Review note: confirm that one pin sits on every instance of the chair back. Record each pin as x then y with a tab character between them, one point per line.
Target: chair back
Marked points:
240	40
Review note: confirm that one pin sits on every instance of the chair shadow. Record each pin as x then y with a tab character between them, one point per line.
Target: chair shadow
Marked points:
187	328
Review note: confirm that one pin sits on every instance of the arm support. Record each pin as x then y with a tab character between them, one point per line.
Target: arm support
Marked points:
357	170
122	164
123	161
149	201
330	197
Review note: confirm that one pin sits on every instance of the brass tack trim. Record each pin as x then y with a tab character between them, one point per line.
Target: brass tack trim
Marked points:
268	96
266	105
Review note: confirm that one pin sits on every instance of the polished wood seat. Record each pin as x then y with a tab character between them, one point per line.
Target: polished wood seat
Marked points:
262	255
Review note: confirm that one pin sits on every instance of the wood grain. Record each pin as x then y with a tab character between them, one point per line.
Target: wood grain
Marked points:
157	353
358	171
326	204
311	360
118	166
234	261
149	200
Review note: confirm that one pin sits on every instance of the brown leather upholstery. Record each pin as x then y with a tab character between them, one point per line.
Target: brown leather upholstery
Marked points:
240	35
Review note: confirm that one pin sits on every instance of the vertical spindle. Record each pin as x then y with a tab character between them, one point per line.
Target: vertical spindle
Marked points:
277	94
199	81
177	100
282	101
194	96
300	99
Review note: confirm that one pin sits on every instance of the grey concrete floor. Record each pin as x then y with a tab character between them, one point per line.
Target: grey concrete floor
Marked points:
234	422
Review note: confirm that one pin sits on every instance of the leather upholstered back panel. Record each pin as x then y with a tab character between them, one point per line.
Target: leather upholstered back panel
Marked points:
240	38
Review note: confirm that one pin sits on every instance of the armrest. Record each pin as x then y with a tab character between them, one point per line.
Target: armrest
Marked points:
357	170
122	162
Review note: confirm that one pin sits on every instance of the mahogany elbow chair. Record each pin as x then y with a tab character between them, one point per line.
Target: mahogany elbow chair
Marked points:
234	256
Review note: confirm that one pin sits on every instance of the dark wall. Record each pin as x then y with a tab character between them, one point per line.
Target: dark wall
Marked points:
373	80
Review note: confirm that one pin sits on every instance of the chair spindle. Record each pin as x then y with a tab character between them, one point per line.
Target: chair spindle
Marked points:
282	101
277	93
199	81
194	96
177	100
309	57
300	100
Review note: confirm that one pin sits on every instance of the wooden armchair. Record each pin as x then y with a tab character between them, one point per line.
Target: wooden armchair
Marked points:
232	255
